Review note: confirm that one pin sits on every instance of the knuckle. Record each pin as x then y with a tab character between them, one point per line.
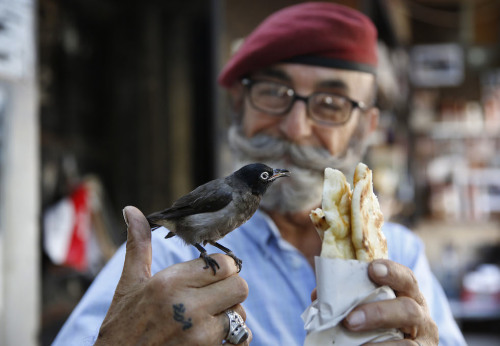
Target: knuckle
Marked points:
409	282
434	330
412	278
226	263
154	286
241	287
222	269
198	337
379	312
193	339
241	311
202	336
160	287
413	311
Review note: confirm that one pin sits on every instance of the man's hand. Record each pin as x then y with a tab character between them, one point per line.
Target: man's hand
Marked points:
408	312
182	304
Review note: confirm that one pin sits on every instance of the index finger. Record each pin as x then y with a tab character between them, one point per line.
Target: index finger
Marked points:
398	277
193	274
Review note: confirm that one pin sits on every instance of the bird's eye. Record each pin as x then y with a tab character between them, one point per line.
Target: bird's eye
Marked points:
264	176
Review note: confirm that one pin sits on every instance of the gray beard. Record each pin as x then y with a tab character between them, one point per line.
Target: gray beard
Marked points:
302	191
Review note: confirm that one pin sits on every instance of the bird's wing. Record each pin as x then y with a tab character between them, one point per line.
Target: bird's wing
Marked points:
206	198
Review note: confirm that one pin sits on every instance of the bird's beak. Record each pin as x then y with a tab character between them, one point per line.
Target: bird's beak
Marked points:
278	173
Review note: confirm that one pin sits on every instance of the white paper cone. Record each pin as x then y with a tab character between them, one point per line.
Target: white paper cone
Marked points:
342	285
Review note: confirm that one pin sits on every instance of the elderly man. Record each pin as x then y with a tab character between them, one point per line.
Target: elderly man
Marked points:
303	85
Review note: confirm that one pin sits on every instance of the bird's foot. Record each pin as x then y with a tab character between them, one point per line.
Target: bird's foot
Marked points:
228	252
210	262
237	261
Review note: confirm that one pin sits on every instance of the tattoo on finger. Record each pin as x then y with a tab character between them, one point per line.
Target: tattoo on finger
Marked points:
179	310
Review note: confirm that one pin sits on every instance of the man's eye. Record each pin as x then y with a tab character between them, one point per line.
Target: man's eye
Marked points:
330	107
330	103
274	92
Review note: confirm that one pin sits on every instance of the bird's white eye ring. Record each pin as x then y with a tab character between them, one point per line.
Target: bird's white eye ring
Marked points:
264	176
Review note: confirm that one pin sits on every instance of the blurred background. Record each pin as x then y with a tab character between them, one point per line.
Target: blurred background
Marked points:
108	103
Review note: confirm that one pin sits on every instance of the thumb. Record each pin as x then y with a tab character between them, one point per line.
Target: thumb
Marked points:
137	267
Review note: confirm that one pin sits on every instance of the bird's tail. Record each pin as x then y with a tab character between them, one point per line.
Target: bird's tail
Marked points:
154	226
157	220
151	220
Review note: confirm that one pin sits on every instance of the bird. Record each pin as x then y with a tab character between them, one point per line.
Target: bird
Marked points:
216	208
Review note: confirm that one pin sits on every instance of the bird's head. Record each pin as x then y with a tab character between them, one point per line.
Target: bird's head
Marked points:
259	176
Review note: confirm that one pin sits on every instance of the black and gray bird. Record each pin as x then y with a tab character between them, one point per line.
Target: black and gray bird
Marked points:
216	208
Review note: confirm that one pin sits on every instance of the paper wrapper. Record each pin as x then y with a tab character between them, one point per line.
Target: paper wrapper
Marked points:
342	285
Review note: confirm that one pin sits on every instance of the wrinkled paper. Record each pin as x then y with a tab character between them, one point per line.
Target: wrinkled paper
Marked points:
342	285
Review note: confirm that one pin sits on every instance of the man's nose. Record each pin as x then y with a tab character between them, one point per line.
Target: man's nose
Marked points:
296	124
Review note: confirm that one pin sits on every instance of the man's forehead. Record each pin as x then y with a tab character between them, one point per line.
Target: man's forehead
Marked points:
316	75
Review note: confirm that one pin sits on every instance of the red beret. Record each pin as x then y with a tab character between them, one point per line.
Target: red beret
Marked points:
313	33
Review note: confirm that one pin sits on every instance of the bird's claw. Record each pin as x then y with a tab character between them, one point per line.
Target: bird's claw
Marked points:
237	261
210	262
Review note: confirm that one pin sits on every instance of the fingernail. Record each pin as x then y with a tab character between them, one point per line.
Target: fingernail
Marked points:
356	319
380	270
125	216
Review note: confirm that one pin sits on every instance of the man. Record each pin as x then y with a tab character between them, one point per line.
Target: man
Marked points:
303	86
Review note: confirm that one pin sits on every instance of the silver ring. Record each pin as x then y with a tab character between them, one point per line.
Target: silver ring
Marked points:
238	331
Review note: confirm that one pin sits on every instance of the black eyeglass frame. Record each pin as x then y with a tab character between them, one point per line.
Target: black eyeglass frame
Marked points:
248	83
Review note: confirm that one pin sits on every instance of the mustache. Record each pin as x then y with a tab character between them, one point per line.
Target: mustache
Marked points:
263	147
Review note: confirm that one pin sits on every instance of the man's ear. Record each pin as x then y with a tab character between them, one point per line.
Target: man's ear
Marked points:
237	96
372	117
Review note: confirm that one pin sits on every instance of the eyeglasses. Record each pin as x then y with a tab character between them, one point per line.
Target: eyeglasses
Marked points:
277	99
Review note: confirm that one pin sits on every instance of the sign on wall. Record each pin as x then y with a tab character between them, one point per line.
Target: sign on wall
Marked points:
437	65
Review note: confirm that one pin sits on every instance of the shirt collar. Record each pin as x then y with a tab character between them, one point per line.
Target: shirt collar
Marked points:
260	229
267	231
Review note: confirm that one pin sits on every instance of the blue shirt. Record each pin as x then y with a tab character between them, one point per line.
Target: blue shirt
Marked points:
279	277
